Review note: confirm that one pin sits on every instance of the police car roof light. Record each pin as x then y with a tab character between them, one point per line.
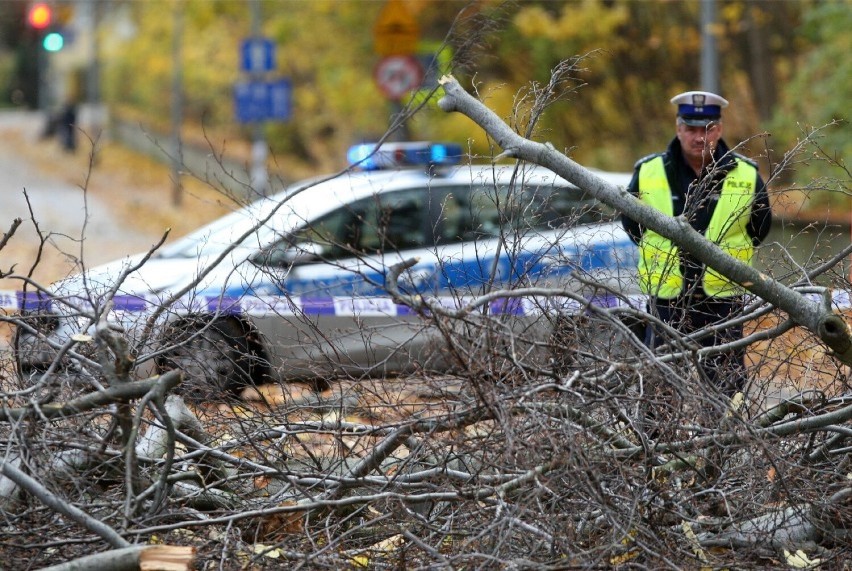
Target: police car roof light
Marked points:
394	155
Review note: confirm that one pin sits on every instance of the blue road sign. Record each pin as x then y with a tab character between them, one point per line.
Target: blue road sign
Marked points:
257	55
263	100
280	100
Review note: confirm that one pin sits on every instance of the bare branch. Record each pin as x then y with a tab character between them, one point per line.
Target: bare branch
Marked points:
827	326
57	504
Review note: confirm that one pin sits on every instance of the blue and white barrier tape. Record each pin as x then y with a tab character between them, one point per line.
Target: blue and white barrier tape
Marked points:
14	301
260	306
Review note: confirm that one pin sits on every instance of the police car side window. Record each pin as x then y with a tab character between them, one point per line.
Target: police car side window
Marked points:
561	206
323	239
453	221
486	210
481	206
386	222
402	218
480	212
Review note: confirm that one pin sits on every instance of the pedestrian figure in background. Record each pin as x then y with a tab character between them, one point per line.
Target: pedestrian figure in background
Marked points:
67	127
723	197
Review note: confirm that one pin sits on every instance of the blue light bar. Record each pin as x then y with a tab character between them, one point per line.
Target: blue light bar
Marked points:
395	155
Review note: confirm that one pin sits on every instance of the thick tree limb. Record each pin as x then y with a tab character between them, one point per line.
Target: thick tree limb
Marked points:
172	557
816	317
120	393
55	503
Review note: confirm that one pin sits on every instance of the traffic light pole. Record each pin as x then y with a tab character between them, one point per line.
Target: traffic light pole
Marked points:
43	85
709	51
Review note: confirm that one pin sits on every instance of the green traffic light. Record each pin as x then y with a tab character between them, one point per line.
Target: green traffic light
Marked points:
53	42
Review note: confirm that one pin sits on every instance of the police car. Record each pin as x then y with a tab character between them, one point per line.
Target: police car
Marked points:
292	286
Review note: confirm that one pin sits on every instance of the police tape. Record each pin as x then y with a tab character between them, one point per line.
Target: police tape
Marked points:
341	306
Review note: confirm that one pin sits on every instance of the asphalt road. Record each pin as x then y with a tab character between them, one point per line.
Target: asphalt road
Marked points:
78	225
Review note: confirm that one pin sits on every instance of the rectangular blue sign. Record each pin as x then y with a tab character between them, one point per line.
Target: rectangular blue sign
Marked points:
257	55
263	101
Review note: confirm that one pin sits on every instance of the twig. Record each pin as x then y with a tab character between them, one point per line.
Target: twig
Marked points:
53	501
6	236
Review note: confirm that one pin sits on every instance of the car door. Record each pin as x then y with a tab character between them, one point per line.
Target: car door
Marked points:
333	313
539	233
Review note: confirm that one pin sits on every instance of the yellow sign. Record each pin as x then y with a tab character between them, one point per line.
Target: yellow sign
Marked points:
396	31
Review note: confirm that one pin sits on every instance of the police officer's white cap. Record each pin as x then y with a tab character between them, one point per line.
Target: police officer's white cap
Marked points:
699	108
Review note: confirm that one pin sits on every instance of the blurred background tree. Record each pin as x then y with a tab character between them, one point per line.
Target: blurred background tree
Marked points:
818	92
783	65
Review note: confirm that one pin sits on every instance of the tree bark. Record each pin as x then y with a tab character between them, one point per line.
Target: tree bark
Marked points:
814	316
59	505
119	393
133	558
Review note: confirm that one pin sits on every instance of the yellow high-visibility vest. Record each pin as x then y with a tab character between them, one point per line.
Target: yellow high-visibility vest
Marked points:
659	263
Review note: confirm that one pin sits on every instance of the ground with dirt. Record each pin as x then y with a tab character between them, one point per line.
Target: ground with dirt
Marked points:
95	205
98	204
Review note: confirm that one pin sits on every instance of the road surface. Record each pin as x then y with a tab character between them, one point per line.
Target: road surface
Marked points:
44	187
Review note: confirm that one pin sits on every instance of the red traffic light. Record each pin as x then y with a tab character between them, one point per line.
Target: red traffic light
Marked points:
40	15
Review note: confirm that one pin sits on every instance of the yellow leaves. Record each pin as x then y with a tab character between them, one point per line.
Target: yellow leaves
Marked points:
361	558
692	539
267	551
626	541
533	21
623	558
581	22
736	405
800	560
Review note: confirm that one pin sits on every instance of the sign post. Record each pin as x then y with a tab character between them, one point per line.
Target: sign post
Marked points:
259	99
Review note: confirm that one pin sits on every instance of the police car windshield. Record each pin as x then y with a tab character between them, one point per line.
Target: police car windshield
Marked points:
221	234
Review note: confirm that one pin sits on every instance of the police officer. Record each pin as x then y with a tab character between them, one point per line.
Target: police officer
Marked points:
723	197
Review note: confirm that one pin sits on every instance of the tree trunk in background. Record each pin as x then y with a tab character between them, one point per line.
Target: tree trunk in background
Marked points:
761	67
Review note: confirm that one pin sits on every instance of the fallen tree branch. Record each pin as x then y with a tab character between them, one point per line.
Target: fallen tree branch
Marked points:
133	558
817	318
55	503
120	393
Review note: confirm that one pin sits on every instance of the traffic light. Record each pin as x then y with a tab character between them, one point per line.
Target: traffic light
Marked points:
40	15
53	42
48	24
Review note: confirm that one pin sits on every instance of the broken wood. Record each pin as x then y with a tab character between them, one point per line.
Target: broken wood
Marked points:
134	558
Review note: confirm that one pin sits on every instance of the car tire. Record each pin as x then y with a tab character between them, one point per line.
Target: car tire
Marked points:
214	358
599	339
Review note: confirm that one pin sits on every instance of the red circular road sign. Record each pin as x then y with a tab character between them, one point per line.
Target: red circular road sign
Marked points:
397	75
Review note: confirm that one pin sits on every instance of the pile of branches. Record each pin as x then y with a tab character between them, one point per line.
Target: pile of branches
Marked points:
601	456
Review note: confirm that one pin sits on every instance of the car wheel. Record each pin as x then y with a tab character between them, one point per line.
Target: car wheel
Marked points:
583	341
214	359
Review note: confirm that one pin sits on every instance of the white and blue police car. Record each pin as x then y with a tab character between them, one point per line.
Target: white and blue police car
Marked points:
292	286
